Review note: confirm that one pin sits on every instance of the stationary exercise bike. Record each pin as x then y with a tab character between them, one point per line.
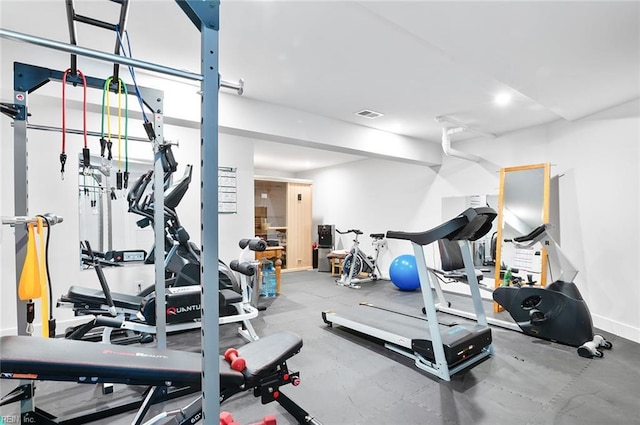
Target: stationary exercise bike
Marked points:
357	262
556	312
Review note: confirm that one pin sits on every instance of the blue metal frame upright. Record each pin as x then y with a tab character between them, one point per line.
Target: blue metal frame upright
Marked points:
205	15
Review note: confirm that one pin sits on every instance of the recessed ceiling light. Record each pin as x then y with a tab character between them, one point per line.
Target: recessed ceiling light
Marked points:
368	113
502	99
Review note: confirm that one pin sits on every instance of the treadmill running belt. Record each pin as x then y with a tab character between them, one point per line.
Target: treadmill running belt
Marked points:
412	333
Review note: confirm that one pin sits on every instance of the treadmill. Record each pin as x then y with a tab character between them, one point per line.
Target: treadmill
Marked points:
442	350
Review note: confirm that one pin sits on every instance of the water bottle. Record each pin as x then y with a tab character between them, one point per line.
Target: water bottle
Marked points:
268	281
507	277
271	281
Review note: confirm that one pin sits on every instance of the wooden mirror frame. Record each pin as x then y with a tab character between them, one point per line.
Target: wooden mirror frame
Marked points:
504	172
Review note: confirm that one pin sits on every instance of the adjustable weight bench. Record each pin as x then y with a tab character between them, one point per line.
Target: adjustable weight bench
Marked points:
32	358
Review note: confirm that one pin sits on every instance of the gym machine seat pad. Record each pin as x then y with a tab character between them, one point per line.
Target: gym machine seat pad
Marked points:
52	359
80	294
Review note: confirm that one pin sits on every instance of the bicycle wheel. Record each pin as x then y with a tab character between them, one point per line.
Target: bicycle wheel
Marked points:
357	268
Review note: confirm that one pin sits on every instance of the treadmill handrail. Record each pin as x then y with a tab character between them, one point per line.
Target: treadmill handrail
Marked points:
452	229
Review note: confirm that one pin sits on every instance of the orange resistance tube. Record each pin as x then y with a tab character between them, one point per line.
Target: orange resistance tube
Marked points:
44	302
29	286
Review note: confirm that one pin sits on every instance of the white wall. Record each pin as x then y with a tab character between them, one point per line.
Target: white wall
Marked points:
237	152
597	158
376	195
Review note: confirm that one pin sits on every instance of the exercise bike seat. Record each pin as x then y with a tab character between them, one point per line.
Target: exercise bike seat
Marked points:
95	297
377	236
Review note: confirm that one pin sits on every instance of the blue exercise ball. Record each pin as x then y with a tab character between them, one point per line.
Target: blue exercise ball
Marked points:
404	273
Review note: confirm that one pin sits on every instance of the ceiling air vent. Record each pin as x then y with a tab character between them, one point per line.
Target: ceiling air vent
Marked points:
367	113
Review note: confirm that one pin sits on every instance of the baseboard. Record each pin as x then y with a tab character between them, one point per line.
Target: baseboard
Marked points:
298	269
621	329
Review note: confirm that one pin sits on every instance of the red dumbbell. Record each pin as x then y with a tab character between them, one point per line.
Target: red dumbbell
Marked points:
237	363
226	419
267	420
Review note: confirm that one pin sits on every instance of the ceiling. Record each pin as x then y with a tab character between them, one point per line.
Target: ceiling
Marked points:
411	61
414	61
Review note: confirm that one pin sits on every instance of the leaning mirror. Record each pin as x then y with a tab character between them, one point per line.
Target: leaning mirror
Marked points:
522	206
104	217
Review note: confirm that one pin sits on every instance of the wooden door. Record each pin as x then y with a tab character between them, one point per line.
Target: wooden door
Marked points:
299	232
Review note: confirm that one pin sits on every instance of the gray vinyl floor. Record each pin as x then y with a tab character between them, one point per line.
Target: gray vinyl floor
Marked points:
347	379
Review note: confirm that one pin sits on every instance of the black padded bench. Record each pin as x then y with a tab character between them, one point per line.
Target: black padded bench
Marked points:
85	362
33	358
